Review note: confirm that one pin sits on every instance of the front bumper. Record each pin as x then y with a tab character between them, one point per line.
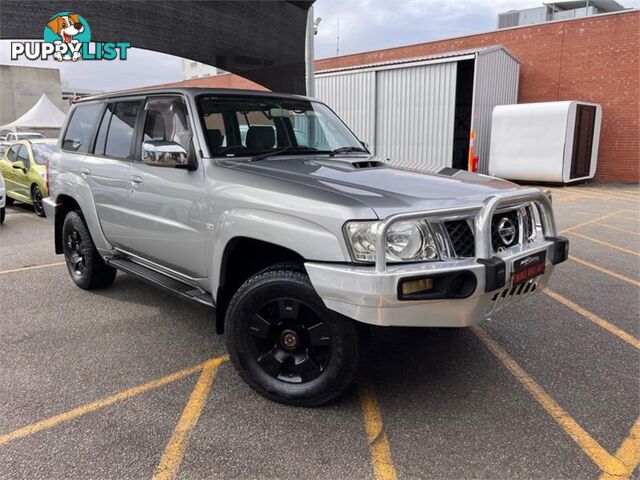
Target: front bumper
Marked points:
50	208
372	294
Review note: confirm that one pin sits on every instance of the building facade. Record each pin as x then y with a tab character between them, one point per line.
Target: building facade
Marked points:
22	87
562	10
592	59
192	69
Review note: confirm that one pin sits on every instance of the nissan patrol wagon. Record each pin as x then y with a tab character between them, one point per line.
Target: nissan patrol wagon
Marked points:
267	208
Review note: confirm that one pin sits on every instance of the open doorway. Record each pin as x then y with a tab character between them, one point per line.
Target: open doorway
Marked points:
462	122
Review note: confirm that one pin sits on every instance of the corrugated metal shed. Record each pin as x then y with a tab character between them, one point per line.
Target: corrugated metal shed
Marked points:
416	108
406	109
353	108
496	83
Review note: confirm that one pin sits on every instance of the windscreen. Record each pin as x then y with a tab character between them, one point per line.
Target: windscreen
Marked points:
42	152
246	126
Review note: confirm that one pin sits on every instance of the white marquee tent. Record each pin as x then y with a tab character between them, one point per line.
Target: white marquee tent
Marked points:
43	115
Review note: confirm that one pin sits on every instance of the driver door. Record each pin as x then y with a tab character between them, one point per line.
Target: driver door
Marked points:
6	167
169	204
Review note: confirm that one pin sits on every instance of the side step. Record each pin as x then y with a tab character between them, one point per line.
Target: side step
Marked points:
161	280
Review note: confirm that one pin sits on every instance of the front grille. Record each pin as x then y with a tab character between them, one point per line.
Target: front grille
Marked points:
461	238
505	230
509	223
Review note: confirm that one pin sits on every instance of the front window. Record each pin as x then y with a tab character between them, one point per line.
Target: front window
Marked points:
42	152
240	126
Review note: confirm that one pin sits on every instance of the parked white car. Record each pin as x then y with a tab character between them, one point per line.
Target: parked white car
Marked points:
3	197
10	138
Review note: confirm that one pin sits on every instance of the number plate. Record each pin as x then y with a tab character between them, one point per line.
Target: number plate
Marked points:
528	267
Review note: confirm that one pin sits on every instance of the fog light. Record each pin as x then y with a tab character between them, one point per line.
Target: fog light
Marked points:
413	286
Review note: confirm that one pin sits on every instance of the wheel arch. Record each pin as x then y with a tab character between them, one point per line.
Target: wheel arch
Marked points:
66	204
242	258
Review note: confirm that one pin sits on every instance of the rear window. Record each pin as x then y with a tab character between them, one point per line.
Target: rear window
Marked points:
28	136
78	135
42	152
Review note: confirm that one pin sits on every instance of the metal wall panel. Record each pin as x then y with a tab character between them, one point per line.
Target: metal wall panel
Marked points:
415	115
406	113
496	83
352	97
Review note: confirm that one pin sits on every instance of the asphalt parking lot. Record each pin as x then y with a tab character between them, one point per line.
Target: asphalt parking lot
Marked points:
130	382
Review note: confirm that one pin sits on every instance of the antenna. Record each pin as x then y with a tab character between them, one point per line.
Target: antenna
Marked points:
338	39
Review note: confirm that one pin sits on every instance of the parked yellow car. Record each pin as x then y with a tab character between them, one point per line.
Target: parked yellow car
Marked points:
23	167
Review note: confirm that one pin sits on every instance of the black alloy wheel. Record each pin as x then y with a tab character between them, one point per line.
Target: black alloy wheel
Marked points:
36	197
290	340
285	343
86	268
74	253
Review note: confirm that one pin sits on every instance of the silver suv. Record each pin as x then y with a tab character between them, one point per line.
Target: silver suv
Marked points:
267	208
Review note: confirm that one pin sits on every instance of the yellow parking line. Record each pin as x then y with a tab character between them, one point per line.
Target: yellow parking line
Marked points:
630	339
617	228
620	193
602	194
603	459
604	270
589	222
93	406
171	459
606	244
383	468
32	267
628	453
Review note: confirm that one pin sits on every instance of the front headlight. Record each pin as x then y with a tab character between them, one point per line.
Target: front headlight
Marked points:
407	241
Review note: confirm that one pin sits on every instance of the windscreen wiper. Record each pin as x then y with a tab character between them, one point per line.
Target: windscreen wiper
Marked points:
335	152
262	156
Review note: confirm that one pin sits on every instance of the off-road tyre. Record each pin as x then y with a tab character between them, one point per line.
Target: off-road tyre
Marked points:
315	352
86	267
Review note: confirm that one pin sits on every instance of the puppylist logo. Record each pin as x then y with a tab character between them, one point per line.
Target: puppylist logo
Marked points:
67	36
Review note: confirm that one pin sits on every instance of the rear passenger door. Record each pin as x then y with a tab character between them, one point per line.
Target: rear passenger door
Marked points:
169	203
21	180
107	167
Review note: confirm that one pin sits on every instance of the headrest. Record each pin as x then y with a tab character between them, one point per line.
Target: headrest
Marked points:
261	137
215	138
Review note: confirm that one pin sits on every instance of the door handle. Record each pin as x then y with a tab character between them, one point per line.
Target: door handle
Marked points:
85	172
135	179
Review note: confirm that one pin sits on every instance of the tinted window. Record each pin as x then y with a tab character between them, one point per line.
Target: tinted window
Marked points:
167	121
23	155
78	135
42	152
254	125
121	127
12	156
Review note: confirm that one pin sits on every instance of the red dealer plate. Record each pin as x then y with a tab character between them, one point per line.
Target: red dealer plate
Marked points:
528	267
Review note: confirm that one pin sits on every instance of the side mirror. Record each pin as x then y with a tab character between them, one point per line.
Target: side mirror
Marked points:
158	153
19	165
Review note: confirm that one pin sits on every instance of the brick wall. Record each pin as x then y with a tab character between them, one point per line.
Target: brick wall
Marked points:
596	59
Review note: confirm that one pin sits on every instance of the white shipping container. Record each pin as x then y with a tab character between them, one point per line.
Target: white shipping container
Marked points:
553	142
